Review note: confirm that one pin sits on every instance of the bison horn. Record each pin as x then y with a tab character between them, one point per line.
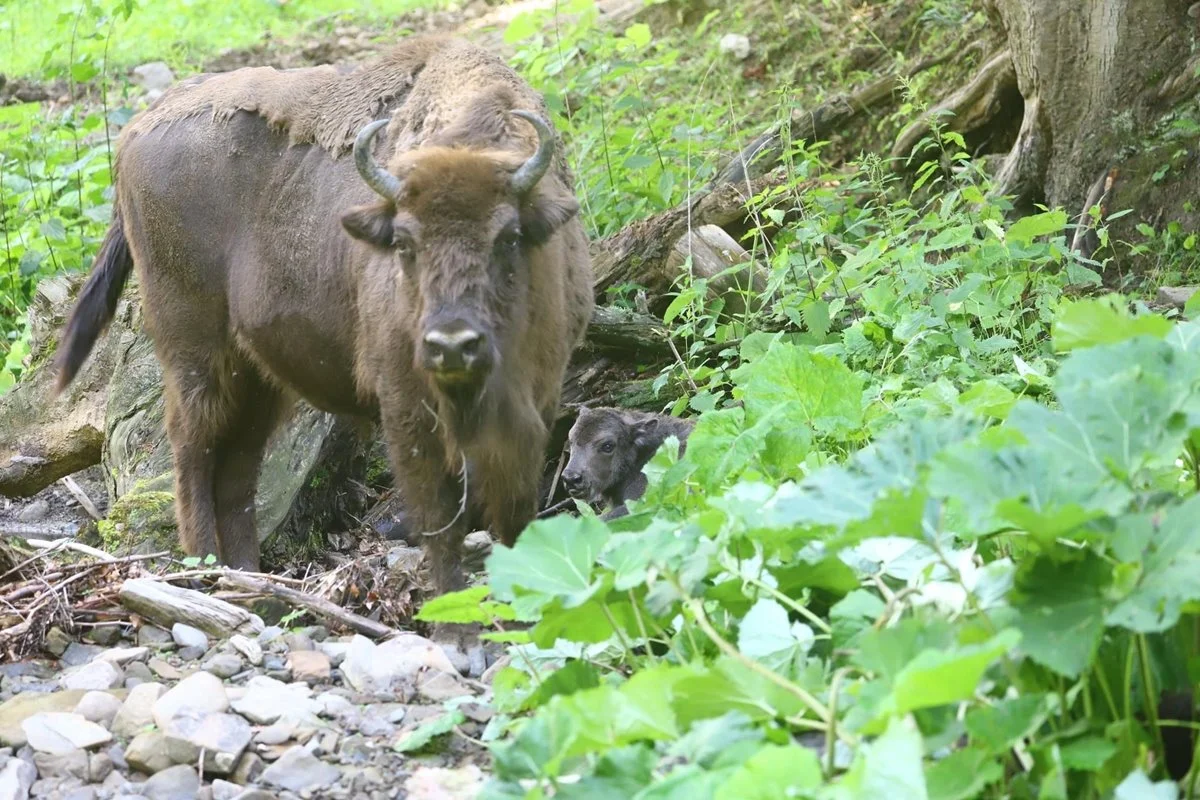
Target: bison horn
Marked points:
383	182
529	173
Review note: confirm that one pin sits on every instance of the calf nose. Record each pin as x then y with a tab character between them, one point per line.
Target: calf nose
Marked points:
571	479
456	349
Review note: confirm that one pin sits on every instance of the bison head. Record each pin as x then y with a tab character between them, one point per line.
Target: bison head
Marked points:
456	231
608	448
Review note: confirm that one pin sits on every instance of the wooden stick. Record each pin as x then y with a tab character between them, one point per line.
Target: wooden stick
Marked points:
316	605
79	494
166	604
70	544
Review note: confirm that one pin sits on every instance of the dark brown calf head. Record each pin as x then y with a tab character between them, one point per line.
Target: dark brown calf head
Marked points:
457	228
608	448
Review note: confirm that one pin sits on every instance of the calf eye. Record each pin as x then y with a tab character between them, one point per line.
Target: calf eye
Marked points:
607	447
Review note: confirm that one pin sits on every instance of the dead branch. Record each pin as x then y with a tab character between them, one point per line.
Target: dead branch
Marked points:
1085	240
316	605
81	496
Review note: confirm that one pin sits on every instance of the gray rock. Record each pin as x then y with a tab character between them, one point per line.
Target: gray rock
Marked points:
1176	296
248	769
96	676
187	636
223	665
174	783
199	693
164	670
116	754
137	711
310	666
16	778
318	633
190	653
154	637
438	783
734	44
221	738
70	764
76	654
34	512
224	790
137	671
277	733
104	635
100	766
258	794
57	642
336	652
267	700
82	793
250	649
437	687
122	656
153	76
148	753
298	770
298	641
59	732
98	707
378	669
270	633
336	707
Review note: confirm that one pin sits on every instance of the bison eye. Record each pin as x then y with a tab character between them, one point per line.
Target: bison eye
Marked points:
404	246
607	447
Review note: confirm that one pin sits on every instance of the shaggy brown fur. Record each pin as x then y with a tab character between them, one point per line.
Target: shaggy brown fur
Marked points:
234	207
609	447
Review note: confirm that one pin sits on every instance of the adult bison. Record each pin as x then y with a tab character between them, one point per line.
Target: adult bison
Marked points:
439	289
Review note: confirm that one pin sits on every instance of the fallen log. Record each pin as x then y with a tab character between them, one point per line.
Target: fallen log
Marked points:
316	605
164	604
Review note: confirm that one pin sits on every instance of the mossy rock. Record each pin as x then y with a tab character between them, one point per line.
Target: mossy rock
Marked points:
142	521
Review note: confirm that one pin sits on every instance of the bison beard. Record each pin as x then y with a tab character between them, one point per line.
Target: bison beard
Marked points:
448	313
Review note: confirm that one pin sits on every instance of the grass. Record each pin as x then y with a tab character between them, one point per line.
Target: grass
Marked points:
180	32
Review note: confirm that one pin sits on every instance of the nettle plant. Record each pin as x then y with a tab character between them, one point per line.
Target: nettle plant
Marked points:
639	130
788	613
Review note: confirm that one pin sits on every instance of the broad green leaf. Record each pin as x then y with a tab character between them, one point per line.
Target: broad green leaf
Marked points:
588	623
688	782
428	731
998	727
1165	551
989	398
1085	323
1026	229
464	606
574	676
824	392
620	772
774	771
727	685
963	775
553	559
890	766
709	738
639	34
1061	611
767	635
950	238
1087	754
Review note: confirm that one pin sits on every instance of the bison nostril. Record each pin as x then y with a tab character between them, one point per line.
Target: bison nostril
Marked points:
455	349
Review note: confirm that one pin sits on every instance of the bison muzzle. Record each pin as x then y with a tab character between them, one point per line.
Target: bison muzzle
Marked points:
436	282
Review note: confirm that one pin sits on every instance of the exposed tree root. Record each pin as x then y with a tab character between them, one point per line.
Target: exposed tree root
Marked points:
967	109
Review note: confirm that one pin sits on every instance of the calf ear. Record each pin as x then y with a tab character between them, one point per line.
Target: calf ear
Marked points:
643	433
371	223
547	210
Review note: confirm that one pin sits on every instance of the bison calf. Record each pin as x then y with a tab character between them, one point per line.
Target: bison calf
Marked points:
609	447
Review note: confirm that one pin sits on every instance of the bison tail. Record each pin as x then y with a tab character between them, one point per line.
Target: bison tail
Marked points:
96	305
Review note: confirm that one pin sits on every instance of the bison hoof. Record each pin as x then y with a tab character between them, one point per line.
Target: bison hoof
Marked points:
462	646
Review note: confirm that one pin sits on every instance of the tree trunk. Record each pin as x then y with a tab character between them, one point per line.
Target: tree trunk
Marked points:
1097	79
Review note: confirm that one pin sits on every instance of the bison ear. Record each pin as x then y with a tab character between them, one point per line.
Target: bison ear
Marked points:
547	210
371	223
643	433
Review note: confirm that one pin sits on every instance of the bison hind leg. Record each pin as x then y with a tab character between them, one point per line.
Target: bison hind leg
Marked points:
256	408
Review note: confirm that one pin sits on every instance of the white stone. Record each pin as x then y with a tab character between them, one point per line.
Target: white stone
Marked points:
137	712
200	692
250	649
95	676
187	636
298	770
377	669
153	76
16	778
736	45
267	700
124	655
98	707
59	732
